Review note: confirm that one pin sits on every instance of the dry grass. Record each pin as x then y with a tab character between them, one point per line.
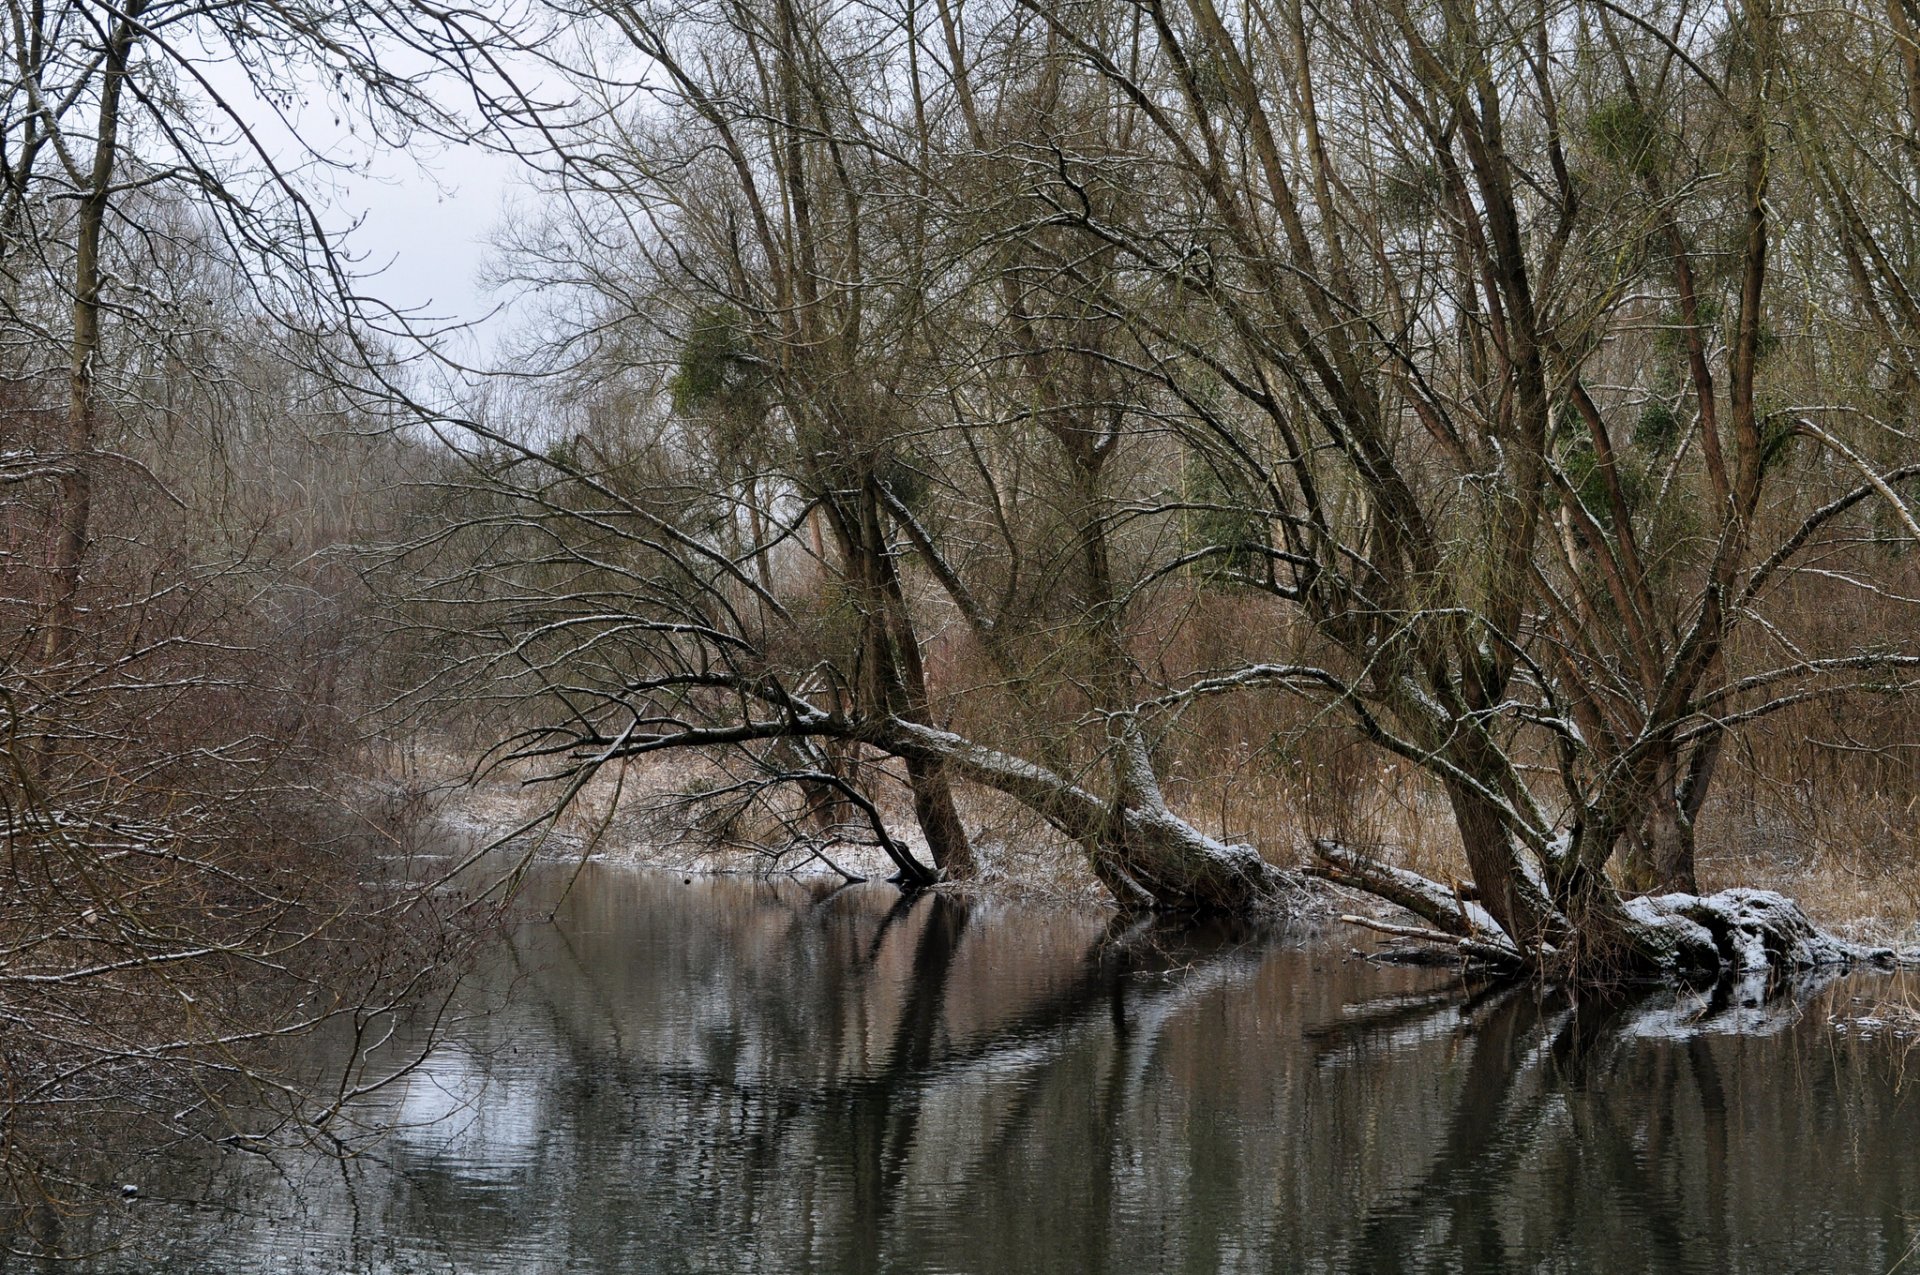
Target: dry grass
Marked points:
1837	829
1822	802
1848	857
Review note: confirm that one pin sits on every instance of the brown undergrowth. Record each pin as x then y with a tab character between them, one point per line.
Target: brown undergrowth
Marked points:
1818	802
195	875
1832	829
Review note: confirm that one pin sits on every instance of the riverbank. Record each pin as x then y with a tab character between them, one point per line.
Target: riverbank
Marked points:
665	813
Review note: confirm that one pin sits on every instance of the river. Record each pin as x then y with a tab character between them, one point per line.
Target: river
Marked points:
723	1074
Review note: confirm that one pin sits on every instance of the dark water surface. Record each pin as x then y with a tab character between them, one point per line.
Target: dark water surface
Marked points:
741	1076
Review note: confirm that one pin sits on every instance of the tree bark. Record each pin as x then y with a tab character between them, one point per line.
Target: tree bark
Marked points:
73	517
1147	855
1660	851
1607	939
896	648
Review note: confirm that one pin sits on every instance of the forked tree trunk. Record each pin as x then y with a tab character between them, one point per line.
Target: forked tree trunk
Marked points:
1505	889
1660	850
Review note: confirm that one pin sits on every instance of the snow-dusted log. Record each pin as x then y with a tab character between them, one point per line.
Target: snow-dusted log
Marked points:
1736	931
1444	909
1147	854
1739	932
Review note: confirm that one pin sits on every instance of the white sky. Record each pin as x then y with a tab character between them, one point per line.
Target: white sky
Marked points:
425	214
425	226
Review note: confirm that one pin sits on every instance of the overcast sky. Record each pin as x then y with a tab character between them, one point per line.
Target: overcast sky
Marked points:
425	214
427	231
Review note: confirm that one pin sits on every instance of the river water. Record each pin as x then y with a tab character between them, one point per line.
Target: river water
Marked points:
731	1075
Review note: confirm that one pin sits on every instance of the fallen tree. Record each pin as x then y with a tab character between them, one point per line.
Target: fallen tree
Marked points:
1737	932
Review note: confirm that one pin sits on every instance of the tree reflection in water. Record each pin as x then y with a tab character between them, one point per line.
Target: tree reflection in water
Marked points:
734	1076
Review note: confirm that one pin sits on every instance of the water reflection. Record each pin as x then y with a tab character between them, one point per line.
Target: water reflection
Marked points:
738	1076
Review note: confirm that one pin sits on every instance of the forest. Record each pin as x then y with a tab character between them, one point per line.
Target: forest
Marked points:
1229	459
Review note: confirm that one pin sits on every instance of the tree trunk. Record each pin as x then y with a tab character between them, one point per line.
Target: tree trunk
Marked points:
939	820
1734	931
1659	857
1606	939
899	684
1146	855
1672	857
71	522
1513	895
70	525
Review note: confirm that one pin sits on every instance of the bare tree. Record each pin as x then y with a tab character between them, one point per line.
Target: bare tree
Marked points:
1456	331
799	212
191	385
1414	242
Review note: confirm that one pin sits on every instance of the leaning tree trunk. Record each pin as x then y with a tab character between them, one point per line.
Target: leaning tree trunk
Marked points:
1609	939
1504	886
1147	855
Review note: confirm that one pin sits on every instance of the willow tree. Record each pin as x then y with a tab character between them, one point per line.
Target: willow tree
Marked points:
818	188
1470	316
1439	240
